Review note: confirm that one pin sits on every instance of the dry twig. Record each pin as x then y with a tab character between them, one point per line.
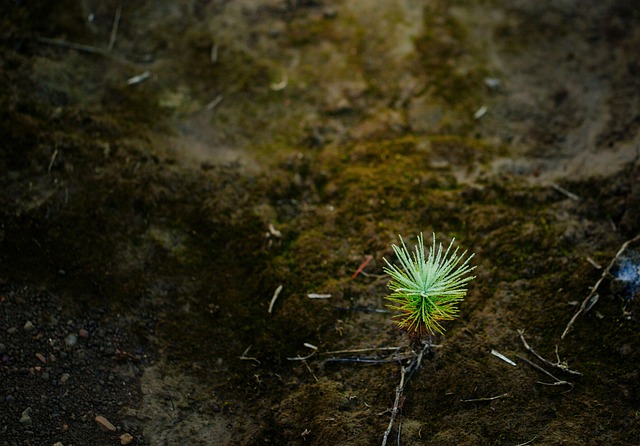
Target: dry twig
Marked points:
557	382
405	375
559	365
565	192
114	29
497	354
592	298
303	358
491	398
360	350
527	442
244	356
276	293
366	261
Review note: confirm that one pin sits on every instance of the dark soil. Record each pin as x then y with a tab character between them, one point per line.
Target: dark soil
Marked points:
162	178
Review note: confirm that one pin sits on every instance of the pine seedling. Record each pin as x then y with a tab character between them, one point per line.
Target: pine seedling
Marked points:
426	288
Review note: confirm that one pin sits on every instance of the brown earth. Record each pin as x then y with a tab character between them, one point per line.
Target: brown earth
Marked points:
166	166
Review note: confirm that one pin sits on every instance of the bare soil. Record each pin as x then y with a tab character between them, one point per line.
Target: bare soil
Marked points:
167	166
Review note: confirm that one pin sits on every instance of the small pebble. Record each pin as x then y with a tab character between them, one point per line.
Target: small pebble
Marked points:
126	438
71	340
64	378
28	326
3	348
105	424
11	330
83	333
25	418
58	443
41	358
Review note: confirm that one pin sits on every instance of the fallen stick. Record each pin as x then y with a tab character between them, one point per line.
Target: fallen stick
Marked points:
558	382
405	375
559	365
586	303
274	298
491	398
114	28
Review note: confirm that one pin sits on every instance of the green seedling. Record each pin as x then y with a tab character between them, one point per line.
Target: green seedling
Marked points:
425	288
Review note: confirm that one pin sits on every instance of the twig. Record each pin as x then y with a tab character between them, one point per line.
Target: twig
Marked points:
491	398
318	296
53	159
363	360
559	365
588	302
593	263
360	350
497	354
558	382
396	404
114	29
274	298
277	86
366	261
87	49
563	191
405	375
303	358
310	371
210	106
73	46
214	53
375	276
527	442
244	356
138	78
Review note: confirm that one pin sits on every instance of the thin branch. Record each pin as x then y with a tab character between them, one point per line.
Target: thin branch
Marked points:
559	365
73	46
366	261
364	360
114	29
303	358
244	356
557	382
405	375
497	354
565	192
360	350
276	293
587	302
396	404
491	398
527	442
85	49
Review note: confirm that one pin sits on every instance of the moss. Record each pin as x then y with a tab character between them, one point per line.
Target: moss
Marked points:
450	60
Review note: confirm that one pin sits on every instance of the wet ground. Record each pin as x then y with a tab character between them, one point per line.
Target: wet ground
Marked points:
168	166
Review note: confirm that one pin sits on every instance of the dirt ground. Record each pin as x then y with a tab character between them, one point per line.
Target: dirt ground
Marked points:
180	180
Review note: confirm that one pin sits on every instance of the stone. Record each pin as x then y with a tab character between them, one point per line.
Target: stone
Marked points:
126	438
25	417
71	340
105	424
28	326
